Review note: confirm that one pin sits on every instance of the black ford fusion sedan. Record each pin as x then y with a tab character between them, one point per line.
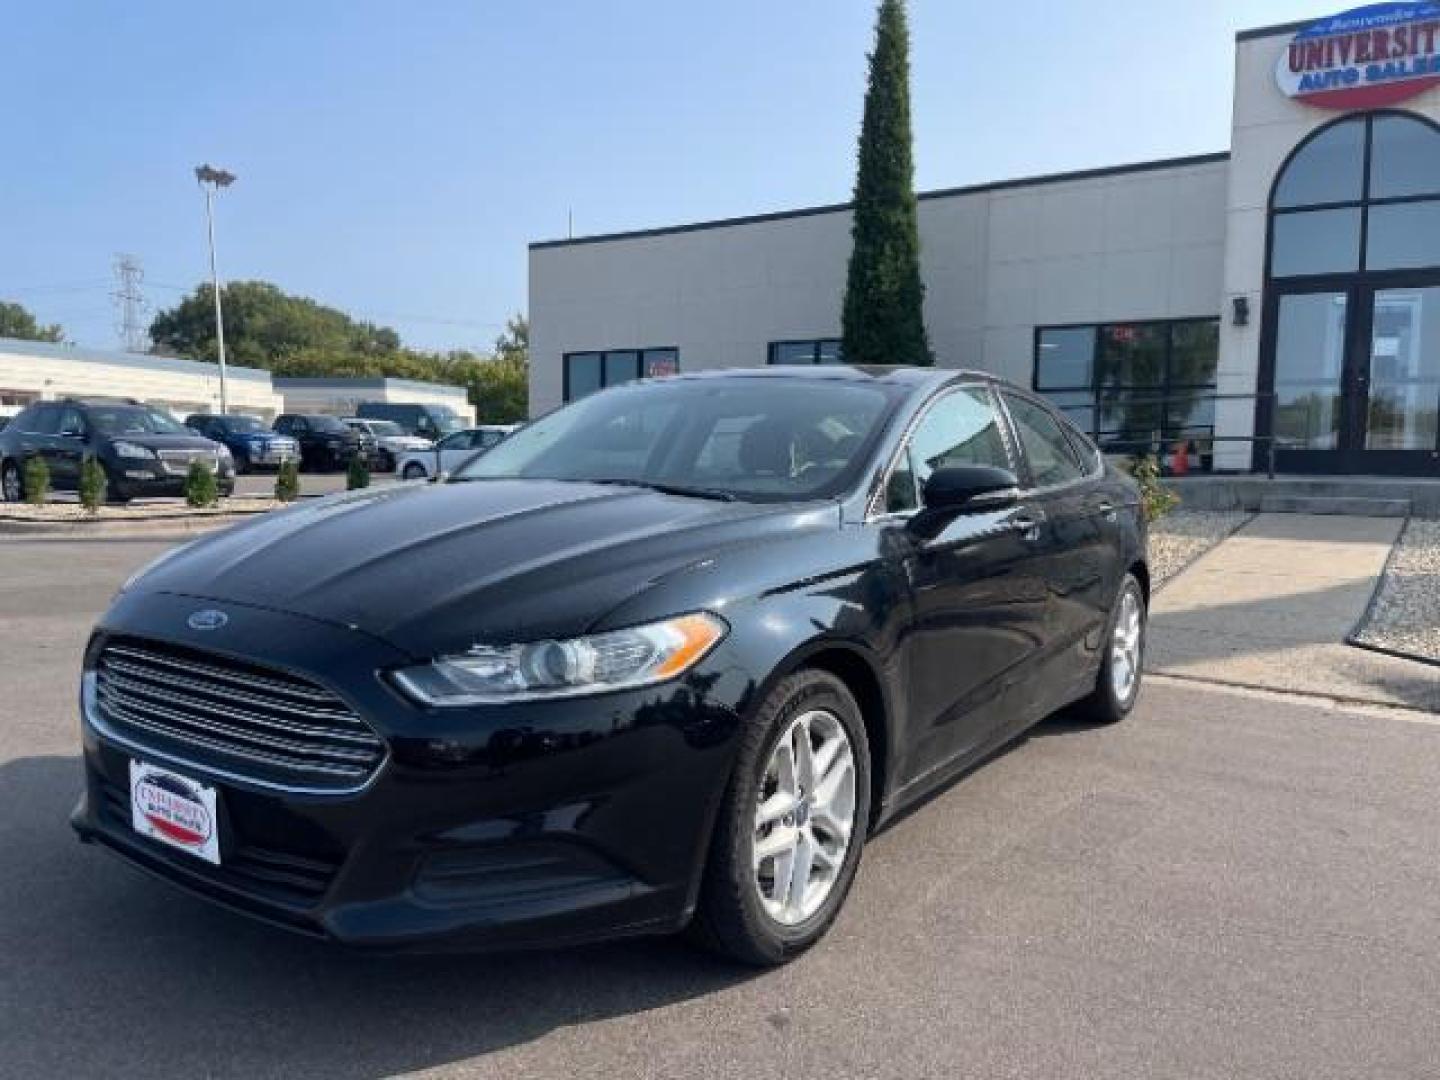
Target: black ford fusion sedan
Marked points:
664	658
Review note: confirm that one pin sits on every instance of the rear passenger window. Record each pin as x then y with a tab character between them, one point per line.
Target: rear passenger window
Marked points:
959	429
1052	458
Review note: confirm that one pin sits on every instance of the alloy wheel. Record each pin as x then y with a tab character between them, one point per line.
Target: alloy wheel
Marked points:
13	490
1125	645
804	817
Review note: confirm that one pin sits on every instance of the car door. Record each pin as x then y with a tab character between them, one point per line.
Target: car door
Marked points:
36	430
67	449
457	448
977	588
1065	491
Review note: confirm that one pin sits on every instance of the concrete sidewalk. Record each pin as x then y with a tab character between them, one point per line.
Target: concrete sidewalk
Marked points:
1271	607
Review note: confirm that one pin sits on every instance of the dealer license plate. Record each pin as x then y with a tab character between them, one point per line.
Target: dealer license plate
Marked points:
174	810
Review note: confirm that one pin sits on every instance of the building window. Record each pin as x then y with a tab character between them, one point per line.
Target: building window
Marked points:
1362	195
1142	387
586	372
816	351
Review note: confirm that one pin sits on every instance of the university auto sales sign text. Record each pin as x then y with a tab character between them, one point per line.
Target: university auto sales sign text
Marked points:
1365	58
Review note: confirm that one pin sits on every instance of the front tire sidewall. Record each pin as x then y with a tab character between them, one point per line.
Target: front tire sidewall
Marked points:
731	917
1107	705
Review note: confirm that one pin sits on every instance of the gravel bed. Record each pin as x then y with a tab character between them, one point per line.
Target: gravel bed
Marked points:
65	512
1405	616
1181	537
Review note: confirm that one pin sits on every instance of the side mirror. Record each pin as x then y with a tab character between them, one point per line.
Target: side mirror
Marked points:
963	489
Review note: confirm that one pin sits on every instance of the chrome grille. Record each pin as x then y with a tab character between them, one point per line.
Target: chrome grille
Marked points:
250	721
178	461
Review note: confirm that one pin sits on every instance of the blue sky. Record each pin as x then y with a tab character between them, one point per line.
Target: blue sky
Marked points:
394	159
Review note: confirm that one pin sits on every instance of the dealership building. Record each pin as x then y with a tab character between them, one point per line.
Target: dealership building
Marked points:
1284	293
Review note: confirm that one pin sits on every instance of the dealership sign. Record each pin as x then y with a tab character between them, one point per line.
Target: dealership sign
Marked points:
1365	58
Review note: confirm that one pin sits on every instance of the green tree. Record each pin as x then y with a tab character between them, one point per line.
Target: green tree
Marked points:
264	324
884	317
357	474
17	322
287	482
92	483
200	488
35	481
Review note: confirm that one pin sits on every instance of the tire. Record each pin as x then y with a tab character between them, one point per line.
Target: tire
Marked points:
12	483
1114	697
413	471
734	916
385	461
242	465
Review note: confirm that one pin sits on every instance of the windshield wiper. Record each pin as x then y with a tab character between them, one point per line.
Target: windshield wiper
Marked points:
665	489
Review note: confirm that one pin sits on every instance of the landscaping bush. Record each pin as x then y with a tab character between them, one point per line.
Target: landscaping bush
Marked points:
357	475
1156	499
36	481
92	484
200	489
287	482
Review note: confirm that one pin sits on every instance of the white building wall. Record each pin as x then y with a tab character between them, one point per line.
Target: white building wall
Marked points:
997	262
343	399
31	371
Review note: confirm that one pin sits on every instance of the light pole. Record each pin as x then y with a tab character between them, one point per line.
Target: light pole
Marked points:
212	180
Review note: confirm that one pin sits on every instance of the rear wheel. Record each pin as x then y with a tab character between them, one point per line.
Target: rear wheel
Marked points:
792	827
11	485
1122	668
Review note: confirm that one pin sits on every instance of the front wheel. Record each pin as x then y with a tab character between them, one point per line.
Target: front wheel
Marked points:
1122	667
413	472
12	487
790	832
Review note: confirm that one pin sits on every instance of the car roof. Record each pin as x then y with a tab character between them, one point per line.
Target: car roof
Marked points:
903	374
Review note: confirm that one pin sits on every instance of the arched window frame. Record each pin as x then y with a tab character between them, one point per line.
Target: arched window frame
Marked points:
1364	204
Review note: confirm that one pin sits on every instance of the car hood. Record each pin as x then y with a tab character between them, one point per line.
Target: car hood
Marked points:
433	568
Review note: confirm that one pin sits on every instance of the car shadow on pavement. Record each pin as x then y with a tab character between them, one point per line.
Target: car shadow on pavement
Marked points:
106	971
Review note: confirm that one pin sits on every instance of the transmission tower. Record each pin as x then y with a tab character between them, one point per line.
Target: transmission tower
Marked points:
130	303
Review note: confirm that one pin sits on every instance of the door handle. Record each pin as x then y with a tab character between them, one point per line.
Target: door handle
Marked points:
1026	525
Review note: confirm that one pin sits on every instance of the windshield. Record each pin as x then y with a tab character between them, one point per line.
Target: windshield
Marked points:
757	439
328	424
134	420
446	422
244	425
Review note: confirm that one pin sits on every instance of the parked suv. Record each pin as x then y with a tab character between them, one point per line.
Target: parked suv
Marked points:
144	452
391	441
326	443
251	443
428	421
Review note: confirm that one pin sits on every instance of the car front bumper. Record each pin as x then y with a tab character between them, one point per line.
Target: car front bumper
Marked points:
503	827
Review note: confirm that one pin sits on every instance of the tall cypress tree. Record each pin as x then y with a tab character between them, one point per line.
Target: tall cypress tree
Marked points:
884	319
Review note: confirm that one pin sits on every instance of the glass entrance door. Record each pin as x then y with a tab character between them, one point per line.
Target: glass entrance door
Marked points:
1402	374
1356	379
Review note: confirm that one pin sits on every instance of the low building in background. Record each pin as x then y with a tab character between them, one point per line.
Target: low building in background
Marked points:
343	397
38	371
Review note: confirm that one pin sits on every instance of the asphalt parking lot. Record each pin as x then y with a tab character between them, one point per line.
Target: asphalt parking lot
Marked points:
1224	886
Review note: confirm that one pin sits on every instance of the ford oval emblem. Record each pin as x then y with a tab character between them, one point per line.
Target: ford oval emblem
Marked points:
209	619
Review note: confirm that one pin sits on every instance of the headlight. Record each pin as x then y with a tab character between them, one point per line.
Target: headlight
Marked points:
131	450
619	660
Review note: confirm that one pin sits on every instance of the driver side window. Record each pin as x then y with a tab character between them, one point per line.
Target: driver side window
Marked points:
959	429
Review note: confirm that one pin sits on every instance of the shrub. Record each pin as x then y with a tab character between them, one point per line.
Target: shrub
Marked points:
357	475
287	482
1156	499
36	481
200	489
92	484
